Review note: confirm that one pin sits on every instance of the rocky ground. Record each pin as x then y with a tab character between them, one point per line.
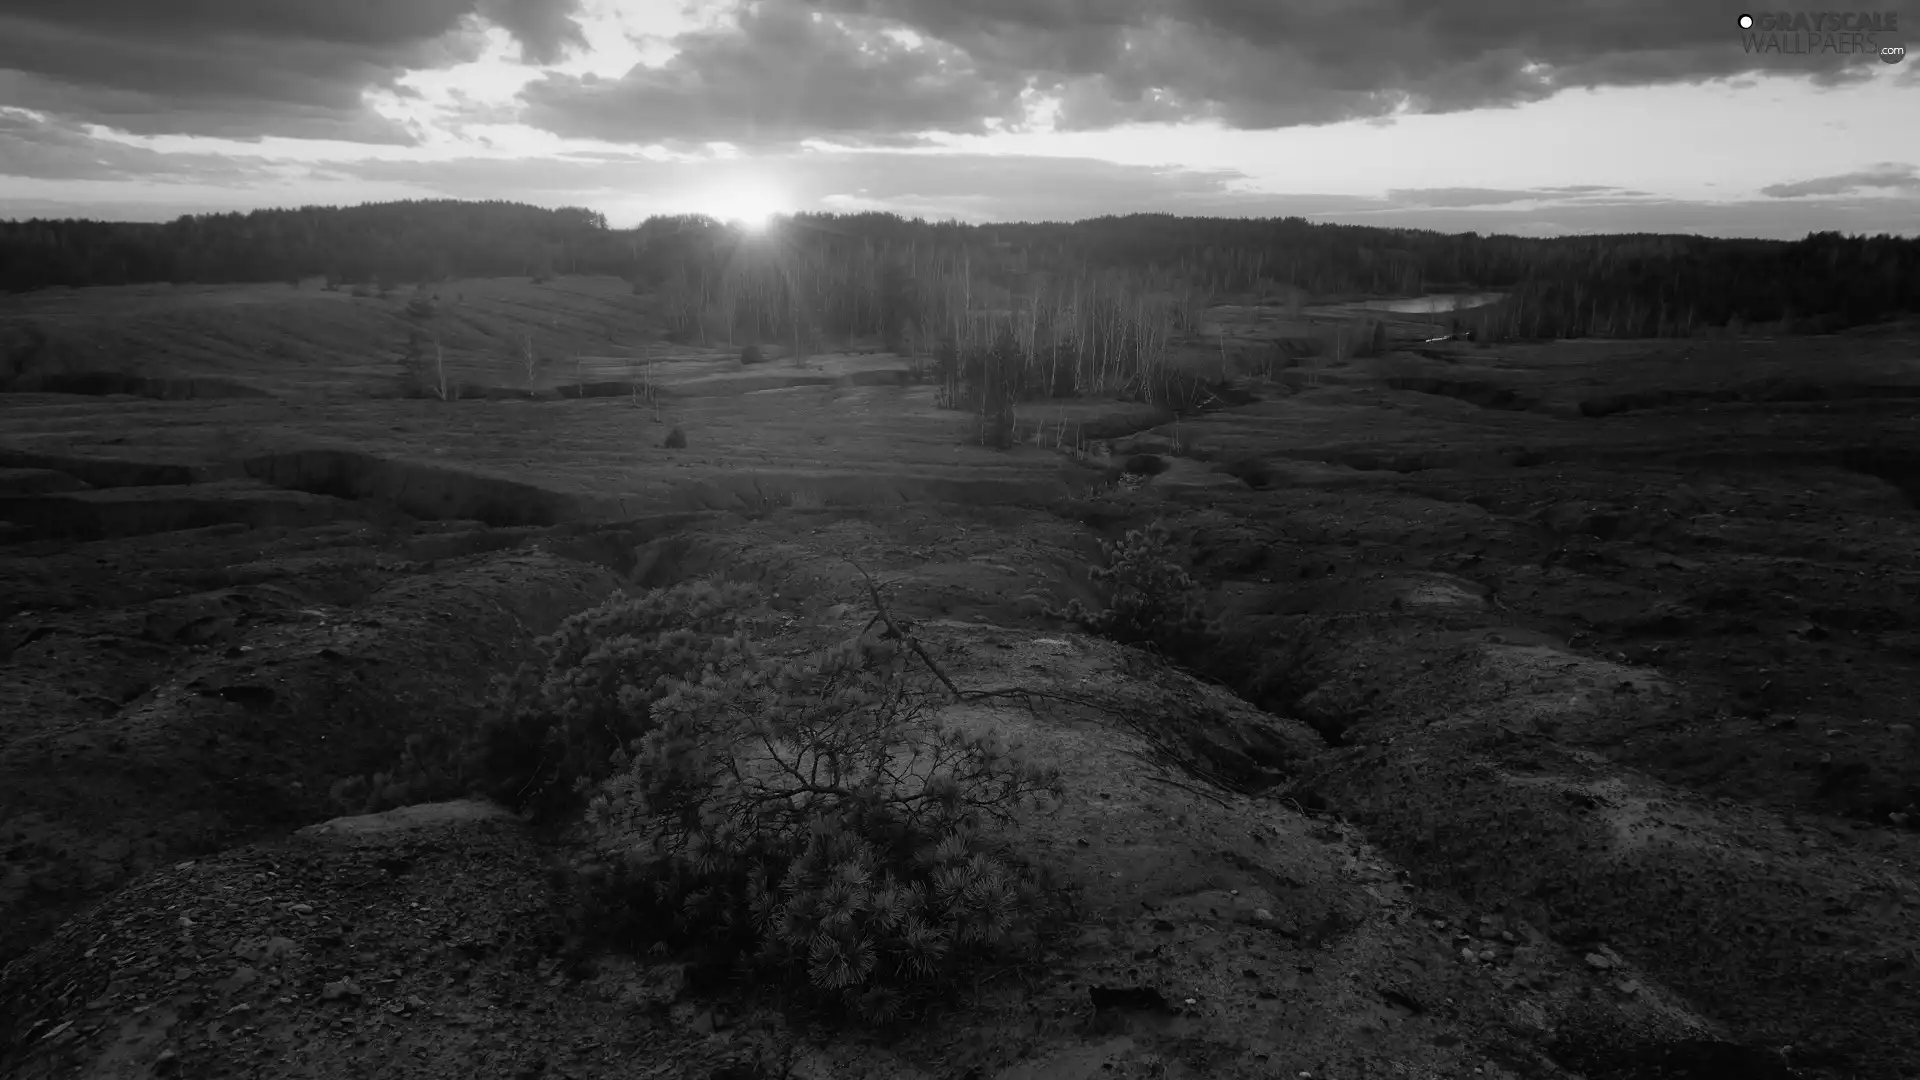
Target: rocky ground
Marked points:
1588	745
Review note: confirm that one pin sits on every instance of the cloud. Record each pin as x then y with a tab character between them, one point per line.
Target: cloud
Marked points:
245	68
775	75
544	29
42	148
1024	186
783	69
1461	197
1887	176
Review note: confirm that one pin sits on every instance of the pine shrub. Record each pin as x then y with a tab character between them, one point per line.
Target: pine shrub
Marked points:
565	722
809	822
1151	599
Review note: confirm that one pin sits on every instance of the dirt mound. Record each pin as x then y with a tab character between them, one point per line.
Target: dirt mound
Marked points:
37	482
101	472
1897	466
429	492
134	511
361	949
284	696
1771	391
110	383
1224	936
1469	772
1487	395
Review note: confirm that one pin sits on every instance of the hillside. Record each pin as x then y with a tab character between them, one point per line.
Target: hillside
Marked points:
1559	724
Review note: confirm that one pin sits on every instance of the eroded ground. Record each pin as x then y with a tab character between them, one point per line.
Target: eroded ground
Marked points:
1597	751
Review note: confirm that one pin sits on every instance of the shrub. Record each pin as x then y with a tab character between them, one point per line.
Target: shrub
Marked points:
558	724
675	440
809	823
752	355
1151	598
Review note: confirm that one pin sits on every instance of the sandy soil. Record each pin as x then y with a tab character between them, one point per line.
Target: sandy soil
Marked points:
1600	759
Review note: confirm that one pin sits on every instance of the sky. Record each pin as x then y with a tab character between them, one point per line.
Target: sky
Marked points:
1492	115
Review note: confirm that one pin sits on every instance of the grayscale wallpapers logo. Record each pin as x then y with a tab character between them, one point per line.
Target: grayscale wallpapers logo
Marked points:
1802	33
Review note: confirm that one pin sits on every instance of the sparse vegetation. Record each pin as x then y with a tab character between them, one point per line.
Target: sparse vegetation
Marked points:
530	360
1151	599
810	820
557	722
423	377
675	440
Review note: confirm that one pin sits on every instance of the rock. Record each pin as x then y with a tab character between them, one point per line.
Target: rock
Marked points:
1598	962
342	988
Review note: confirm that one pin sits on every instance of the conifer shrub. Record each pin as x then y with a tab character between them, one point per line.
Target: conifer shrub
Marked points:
810	823
1151	599
563	722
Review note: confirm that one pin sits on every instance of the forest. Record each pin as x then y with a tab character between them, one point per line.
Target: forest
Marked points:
879	273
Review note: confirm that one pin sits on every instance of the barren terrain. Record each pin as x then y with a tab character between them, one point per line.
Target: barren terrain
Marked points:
1598	757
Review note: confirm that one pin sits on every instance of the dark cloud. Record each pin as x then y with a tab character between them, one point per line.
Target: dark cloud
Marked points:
222	115
778	74
1250	64
245	68
42	148
544	29
1888	176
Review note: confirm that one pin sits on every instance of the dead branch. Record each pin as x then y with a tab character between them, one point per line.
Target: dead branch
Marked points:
880	610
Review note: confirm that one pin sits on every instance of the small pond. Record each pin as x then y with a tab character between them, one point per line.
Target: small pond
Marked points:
1434	303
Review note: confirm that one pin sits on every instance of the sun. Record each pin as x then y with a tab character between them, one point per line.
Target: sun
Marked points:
754	204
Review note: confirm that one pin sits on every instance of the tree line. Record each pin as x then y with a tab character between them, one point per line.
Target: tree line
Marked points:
864	272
